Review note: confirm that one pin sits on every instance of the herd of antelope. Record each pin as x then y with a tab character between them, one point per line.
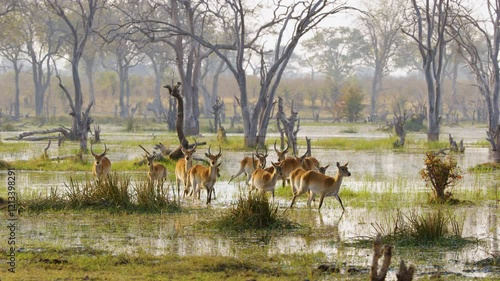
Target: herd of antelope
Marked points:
304	174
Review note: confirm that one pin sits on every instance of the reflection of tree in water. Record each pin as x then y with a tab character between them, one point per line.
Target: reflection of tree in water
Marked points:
493	227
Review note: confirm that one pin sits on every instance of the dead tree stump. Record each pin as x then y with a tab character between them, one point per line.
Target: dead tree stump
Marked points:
288	128
380	250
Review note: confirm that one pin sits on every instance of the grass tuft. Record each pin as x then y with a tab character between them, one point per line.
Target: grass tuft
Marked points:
114	193
253	212
414	229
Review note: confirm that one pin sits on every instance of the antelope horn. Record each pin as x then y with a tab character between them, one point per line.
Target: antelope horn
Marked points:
265	147
92	151
195	145
105	151
144	149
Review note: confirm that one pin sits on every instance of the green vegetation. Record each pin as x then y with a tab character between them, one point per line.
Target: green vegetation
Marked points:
355	144
433	228
87	263
253	212
114	193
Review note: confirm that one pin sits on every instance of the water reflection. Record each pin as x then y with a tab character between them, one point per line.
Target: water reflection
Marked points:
374	172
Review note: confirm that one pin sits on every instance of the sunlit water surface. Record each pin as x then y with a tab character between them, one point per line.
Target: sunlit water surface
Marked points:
374	172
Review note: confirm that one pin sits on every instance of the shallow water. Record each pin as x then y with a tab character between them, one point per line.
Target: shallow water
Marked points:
374	172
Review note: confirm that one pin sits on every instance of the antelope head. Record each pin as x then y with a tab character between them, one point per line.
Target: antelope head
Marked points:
281	154
213	158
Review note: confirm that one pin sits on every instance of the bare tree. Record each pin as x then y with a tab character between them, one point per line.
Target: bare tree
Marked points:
480	45
11	49
427	23
243	43
78	16
160	58
382	25
42	44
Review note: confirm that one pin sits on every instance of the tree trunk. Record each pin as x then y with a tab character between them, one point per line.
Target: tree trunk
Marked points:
17	113
375	90
89	71
432	106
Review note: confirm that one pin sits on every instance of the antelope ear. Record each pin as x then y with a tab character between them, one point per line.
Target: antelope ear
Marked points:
338	164
346	164
206	154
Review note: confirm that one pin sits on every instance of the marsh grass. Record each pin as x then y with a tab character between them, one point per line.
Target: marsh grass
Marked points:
253	212
114	193
437	227
87	263
355	143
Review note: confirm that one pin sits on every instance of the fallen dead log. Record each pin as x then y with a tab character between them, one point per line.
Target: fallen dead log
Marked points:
60	130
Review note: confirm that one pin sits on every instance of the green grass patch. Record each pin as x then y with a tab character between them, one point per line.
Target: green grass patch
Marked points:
115	193
437	227
86	263
253	212
485	167
355	143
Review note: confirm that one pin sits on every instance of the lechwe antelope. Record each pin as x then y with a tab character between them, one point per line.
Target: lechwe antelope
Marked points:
317	183
200	176
182	167
157	173
297	174
266	181
249	163
102	165
288	165
281	153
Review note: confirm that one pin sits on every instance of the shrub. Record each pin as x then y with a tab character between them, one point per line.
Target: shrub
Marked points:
441	173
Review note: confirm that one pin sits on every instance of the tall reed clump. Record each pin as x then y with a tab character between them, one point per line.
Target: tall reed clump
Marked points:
110	192
442	173
150	197
415	228
253	212
116	192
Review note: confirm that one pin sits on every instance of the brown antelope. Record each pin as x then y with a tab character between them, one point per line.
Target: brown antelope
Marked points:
310	164
157	172
102	165
281	154
317	183
200	176
289	164
265	181
297	174
248	165
182	167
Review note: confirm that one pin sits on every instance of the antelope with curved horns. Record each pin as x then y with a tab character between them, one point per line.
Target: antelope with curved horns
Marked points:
200	176
102	165
289	164
266	181
249	163
317	183
182	167
157	172
281	154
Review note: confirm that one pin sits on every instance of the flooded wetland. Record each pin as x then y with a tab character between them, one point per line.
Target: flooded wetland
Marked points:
384	184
